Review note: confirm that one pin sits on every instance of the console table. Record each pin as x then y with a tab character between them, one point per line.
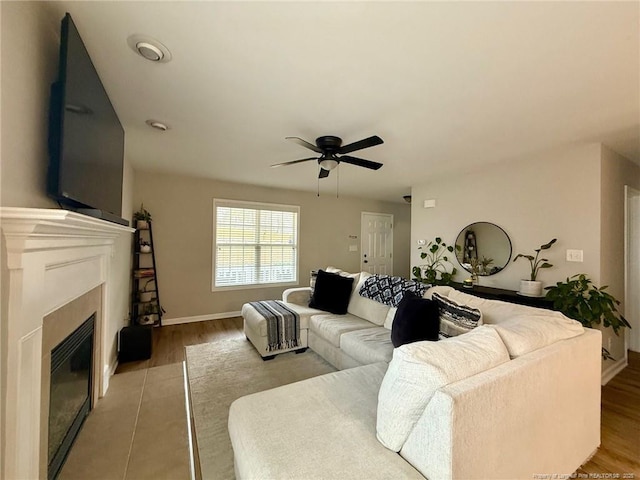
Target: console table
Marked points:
512	296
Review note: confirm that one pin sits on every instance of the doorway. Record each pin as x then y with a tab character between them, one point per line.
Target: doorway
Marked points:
632	266
376	233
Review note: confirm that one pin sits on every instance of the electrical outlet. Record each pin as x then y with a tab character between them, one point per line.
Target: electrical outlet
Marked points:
422	243
574	255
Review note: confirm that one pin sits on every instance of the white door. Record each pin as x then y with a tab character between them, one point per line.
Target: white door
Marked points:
376	232
632	270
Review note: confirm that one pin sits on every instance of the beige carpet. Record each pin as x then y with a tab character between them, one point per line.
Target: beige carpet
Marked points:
219	373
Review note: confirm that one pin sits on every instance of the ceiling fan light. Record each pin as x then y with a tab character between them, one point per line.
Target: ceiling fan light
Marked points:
329	163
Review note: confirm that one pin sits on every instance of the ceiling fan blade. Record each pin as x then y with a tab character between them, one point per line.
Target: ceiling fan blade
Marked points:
360	162
294	161
366	143
323	173
304	143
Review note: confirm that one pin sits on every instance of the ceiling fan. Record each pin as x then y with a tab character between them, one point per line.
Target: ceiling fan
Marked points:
332	153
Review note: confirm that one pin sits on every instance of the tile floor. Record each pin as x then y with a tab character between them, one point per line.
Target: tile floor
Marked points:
137	431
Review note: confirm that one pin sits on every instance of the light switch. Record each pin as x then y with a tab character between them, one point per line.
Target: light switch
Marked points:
574	256
430	203
353	248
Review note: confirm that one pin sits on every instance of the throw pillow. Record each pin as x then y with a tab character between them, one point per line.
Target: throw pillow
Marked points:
419	369
416	320
332	293
456	319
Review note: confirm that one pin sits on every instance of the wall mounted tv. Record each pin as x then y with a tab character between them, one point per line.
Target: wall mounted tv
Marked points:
86	139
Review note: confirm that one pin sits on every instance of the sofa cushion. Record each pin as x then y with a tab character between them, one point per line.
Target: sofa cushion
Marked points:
369	345
525	333
456	319
371	310
417	319
418	370
496	311
332	292
331	327
320	428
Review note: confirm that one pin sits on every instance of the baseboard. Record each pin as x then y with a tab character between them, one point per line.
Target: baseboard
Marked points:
613	369
199	318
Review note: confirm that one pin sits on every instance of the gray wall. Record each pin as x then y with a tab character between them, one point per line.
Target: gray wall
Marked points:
182	209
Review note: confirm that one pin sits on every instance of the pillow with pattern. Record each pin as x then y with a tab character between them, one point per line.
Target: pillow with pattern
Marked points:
455	319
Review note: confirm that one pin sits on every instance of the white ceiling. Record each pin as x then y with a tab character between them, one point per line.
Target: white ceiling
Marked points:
449	86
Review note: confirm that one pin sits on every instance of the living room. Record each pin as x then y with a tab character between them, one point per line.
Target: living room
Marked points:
535	135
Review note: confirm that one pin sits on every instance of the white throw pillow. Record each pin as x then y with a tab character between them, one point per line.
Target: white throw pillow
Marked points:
355	276
417	370
525	333
391	314
370	310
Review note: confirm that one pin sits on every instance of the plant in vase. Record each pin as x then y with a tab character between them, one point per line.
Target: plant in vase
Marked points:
142	218
145	247
435	271
533	287
149	315
579	299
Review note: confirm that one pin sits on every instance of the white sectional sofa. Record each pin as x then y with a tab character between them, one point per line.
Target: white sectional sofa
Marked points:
516	397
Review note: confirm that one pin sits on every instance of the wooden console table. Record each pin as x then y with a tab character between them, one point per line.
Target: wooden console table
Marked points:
512	296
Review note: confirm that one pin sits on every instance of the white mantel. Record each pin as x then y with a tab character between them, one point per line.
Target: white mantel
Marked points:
53	257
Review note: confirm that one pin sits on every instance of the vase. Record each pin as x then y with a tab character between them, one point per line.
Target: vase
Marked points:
530	288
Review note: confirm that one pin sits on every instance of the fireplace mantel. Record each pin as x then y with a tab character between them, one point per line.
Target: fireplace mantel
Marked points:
53	257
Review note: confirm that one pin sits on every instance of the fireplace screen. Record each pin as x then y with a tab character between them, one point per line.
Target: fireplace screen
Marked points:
70	396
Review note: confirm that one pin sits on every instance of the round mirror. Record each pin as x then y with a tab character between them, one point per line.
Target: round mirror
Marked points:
483	246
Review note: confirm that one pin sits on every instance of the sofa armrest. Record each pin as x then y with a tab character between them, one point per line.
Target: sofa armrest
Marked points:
536	414
299	296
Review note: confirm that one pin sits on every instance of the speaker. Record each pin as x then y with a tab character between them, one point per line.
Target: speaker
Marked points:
135	343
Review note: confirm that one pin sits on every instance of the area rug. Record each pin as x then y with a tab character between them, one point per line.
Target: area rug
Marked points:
223	371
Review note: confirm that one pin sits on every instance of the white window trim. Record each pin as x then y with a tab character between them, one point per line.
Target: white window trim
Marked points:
221	202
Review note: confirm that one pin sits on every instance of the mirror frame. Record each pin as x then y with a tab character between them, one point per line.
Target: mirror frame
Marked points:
459	252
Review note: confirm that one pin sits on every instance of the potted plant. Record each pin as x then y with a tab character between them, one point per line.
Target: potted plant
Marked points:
437	260
579	299
144	294
142	218
532	287
145	247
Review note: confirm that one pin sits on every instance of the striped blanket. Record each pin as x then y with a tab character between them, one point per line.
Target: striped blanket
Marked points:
283	324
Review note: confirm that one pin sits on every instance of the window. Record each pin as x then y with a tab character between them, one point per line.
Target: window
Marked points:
255	244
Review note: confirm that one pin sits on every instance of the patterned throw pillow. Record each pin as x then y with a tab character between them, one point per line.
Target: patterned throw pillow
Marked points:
456	319
390	290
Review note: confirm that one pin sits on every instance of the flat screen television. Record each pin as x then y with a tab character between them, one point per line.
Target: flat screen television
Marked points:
86	139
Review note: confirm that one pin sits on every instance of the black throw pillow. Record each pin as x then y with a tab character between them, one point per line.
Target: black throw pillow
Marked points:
331	293
416	319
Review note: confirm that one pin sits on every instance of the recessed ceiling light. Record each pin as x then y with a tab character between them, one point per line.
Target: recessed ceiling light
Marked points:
149	48
149	51
157	125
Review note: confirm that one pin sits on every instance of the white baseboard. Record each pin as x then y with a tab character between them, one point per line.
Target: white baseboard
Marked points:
199	318
613	369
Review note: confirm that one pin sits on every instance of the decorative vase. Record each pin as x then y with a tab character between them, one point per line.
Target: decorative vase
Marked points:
146	296
142	225
530	288
145	248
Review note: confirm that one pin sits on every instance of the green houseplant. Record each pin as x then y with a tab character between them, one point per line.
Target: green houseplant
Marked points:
142	218
435	271
533	287
579	299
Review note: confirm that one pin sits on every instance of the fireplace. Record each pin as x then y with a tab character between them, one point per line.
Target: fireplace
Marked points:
70	392
62	267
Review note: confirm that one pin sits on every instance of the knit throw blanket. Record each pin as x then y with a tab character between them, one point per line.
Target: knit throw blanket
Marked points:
390	290
283	324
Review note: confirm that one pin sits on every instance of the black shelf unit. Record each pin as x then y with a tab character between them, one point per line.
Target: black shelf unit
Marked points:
145	297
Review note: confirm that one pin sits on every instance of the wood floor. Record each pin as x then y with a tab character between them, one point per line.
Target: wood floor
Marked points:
617	457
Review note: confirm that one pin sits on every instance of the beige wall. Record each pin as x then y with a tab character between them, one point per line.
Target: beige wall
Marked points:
616	172
182	209
555	195
29	46
576	195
